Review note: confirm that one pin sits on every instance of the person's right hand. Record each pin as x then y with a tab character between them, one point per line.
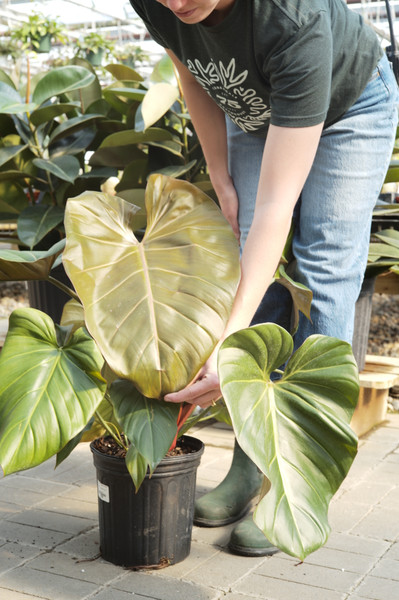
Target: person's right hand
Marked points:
228	201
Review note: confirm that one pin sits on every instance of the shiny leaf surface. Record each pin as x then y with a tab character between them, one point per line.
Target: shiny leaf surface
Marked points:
23	265
36	221
159	98
61	80
50	385
295	429
150	426
157	307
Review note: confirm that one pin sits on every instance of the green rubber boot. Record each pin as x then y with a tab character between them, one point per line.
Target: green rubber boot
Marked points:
248	540
232	498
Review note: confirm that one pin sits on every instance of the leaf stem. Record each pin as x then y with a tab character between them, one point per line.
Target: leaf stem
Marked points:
63	287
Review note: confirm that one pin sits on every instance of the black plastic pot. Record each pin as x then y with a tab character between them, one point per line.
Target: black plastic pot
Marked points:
153	526
362	321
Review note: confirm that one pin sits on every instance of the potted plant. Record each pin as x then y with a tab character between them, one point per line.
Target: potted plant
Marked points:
147	313
130	54
94	47
188	240
38	33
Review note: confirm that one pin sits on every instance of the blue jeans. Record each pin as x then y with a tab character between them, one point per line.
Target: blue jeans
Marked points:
333	215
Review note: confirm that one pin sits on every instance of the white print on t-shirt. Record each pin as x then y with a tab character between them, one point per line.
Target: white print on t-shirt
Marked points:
242	105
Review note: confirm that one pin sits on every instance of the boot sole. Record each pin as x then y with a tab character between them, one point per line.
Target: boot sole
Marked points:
247	551
203	522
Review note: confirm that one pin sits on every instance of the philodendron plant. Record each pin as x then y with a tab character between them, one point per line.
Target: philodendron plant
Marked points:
152	313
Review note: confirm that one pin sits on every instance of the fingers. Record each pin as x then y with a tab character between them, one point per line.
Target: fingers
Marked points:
203	392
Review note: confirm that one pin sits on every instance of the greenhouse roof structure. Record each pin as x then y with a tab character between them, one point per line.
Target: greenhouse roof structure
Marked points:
72	13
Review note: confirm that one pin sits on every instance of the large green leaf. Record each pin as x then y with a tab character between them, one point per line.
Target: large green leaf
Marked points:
64	167
146	302
24	265
119	157
49	112
296	429
131	93
61	80
36	221
50	386
130	136
72	125
123	72
150	426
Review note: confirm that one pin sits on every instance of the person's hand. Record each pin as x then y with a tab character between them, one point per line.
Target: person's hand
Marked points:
204	391
228	201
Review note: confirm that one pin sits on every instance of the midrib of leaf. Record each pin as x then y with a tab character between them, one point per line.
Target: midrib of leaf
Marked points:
278	456
150	302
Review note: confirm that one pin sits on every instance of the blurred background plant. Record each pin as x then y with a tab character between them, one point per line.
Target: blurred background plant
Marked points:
38	32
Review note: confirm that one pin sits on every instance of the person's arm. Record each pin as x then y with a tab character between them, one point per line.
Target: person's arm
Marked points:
210	126
287	160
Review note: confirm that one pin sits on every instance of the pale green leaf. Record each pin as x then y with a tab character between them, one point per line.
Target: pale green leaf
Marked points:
145	302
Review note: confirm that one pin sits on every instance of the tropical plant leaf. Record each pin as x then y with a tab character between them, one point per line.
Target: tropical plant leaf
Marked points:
36	221
295	429
13	200
73	315
175	286
12	174
119	157
104	414
130	136
70	126
390	237
150	426
136	197
24	265
177	170
164	71
123	72
61	80
9	152
63	167
300	294
157	101
49	112
5	78
11	102
130	93
50	383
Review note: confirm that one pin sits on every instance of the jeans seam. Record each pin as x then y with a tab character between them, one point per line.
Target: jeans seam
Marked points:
384	80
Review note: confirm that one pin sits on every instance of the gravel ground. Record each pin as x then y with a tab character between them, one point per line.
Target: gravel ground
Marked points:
384	327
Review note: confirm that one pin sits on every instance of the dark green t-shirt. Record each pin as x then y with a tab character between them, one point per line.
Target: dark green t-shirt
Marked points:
292	63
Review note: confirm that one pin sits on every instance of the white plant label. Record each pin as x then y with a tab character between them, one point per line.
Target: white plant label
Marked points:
103	491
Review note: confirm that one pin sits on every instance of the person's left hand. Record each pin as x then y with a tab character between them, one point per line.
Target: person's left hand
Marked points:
203	391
